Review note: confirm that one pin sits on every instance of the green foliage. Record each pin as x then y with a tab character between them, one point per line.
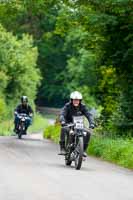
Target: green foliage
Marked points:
109	90
18	72
39	123
119	151
52	132
18	63
6	127
83	45
2	109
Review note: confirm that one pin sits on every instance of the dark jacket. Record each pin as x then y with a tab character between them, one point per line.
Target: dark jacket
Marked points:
24	109
69	111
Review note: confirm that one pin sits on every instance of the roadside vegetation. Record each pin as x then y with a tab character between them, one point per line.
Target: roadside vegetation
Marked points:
38	125
118	150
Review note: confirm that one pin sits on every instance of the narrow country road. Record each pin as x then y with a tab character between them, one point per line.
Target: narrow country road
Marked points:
30	169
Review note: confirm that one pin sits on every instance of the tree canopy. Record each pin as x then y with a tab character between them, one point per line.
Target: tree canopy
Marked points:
85	45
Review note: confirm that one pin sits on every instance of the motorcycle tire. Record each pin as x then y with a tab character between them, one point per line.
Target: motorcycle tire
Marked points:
79	153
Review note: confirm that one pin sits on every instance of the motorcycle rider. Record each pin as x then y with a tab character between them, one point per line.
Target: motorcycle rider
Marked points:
23	108
74	108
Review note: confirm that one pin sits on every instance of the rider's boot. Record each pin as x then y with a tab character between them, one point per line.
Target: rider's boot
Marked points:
25	132
62	148
86	142
84	154
15	128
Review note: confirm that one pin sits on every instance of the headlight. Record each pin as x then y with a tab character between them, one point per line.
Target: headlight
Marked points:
84	133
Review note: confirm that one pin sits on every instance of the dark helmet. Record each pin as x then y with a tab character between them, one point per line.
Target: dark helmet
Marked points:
24	99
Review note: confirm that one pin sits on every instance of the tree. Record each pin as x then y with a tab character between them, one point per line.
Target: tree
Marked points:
19	74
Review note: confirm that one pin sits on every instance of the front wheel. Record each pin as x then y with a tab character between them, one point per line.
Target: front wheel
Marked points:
20	131
79	153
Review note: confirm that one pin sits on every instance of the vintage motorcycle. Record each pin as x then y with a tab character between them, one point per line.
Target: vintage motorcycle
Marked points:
75	142
21	129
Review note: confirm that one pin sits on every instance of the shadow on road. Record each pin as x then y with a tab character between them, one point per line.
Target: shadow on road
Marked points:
72	167
31	139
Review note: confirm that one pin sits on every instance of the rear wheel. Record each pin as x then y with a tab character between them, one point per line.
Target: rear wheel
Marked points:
79	153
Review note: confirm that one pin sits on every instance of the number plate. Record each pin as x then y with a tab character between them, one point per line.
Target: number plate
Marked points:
78	121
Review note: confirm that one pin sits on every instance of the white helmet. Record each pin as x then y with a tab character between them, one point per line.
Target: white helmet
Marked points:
76	95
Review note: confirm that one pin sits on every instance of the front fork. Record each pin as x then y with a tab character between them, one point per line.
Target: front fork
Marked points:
75	148
21	127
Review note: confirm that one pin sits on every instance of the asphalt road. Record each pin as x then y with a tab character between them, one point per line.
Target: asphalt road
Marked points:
30	169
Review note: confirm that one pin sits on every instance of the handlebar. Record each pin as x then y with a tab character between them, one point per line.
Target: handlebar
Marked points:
71	125
22	115
68	125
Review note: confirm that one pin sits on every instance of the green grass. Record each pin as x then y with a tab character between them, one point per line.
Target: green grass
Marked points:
52	132
39	124
6	128
50	116
119	150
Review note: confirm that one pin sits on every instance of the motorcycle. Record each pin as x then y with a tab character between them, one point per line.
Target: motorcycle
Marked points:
21	129
75	142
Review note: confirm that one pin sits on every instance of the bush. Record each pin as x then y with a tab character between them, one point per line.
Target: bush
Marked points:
53	133
19	74
2	108
6	128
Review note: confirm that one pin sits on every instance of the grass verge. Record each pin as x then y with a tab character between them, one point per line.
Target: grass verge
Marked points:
39	124
119	151
6	128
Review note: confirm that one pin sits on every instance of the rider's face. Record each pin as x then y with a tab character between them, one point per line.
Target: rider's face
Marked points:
76	102
24	103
